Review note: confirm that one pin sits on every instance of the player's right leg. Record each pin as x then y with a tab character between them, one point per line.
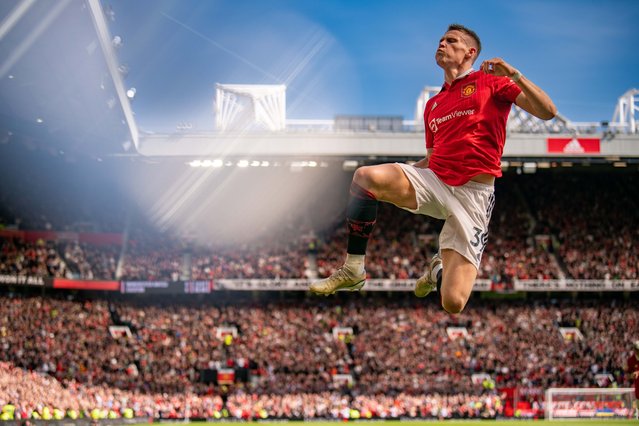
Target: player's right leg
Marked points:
454	282
457	280
371	184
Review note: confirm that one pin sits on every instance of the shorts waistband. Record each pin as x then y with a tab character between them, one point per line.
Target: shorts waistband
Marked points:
479	185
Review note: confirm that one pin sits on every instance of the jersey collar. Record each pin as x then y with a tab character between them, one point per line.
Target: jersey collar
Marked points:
459	77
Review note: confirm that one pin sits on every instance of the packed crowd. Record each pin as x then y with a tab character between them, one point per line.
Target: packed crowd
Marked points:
596	228
273	260
398	346
38	396
512	251
28	259
149	261
536	233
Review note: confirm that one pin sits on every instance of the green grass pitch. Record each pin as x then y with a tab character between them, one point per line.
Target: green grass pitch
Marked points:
586	422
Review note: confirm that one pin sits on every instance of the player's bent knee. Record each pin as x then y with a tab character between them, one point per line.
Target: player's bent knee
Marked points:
453	304
386	182
364	176
373	178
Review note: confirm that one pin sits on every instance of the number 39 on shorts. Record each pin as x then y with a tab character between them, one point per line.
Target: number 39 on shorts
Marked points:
479	241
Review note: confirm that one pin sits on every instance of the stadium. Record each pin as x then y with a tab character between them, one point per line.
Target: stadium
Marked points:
162	276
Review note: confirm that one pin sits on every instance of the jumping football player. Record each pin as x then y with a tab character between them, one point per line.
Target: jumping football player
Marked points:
465	134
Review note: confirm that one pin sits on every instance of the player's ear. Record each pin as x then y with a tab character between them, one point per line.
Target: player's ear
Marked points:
471	51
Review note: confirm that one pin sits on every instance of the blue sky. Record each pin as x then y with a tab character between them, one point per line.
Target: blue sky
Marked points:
365	57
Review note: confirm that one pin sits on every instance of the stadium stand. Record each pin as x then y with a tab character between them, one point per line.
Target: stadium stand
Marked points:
404	358
286	351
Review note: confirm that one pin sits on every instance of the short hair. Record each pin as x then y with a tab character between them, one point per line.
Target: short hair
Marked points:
467	31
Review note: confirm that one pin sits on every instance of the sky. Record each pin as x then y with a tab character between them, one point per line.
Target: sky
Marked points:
365	57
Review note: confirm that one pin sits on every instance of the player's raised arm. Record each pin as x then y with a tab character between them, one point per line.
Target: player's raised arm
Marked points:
531	99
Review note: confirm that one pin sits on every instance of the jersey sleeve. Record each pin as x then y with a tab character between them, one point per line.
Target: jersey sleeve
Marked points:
429	138
506	90
428	133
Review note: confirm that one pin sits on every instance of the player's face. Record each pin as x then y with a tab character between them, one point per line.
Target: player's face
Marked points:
452	49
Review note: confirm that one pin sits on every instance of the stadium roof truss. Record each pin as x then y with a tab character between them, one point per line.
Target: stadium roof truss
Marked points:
627	111
240	106
520	121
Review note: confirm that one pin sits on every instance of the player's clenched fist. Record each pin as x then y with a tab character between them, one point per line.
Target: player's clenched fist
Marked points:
498	67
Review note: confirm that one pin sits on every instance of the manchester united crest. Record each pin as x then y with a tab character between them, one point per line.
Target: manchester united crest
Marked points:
468	89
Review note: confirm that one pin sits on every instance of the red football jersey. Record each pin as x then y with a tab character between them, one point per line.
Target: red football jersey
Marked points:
466	126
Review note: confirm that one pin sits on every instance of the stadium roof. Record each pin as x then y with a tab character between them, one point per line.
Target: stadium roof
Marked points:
54	81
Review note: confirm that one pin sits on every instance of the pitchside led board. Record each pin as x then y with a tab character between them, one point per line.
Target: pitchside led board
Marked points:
166	287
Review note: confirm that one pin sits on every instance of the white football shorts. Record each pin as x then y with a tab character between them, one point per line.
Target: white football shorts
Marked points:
466	210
